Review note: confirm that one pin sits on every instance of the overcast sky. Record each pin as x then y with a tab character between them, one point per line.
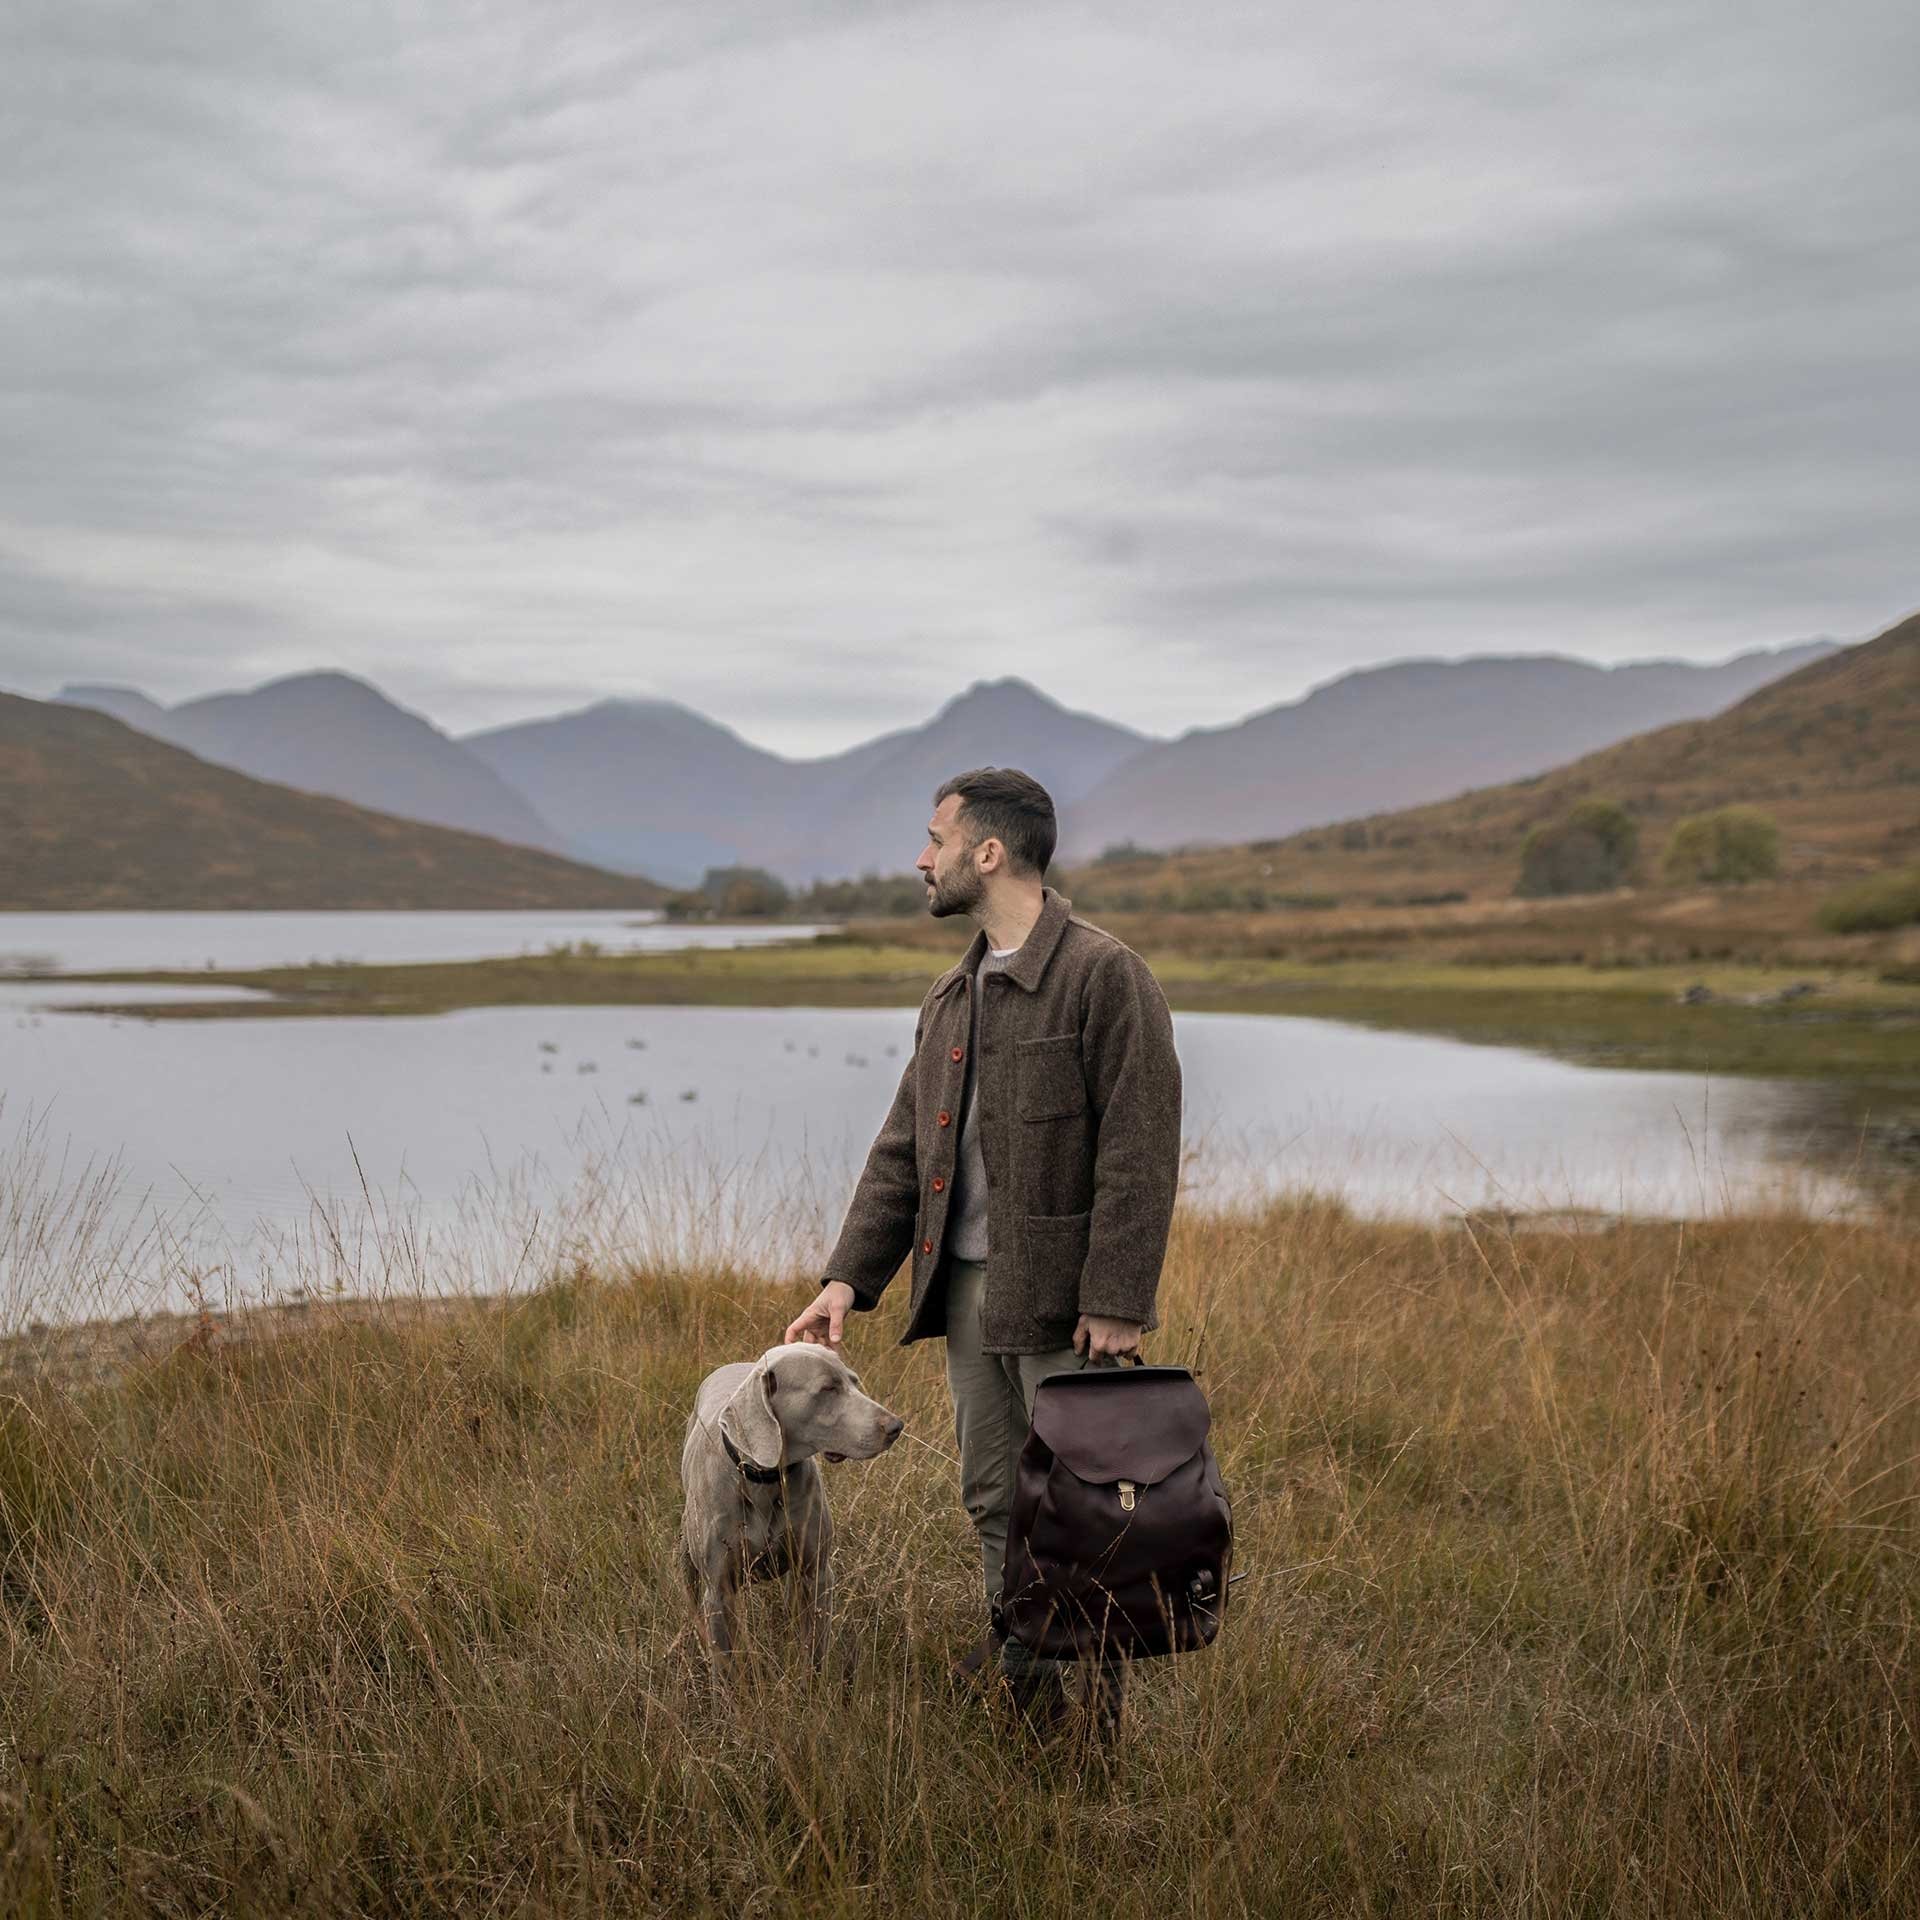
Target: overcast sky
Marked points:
806	363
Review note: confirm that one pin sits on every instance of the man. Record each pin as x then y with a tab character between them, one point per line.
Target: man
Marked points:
1026	1170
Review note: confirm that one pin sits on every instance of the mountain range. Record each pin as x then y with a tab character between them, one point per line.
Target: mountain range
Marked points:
1393	737
1831	754
654	788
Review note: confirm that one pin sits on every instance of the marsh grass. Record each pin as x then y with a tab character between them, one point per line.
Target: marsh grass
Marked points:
1580	1579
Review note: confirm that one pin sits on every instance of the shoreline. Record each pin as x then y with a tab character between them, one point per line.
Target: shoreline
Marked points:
1837	1024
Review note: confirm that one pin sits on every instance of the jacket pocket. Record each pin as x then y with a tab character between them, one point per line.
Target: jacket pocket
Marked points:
1049	1076
1056	1253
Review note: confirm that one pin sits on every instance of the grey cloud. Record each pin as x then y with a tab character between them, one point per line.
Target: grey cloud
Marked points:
805	368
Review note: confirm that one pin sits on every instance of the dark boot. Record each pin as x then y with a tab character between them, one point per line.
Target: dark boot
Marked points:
1034	1690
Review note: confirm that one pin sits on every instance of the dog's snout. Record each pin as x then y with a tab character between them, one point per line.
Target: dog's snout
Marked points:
894	1428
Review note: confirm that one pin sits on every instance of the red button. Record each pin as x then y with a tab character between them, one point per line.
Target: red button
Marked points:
926	1246
939	1185
957	1053
946	1119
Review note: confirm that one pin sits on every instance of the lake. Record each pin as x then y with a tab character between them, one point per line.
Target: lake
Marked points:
241	942
142	1160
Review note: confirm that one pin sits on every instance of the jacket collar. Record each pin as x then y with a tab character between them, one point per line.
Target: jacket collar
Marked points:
1030	963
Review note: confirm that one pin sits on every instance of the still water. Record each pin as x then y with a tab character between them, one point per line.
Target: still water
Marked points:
240	942
141	1159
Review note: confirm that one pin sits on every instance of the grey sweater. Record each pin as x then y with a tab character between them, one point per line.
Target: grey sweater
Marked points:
967	1217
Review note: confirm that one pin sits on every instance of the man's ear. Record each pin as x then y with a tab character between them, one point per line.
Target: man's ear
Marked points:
748	1418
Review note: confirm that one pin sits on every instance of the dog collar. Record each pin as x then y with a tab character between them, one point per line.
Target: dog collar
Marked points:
765	1476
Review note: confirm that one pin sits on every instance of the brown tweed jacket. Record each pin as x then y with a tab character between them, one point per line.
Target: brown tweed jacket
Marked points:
1079	1091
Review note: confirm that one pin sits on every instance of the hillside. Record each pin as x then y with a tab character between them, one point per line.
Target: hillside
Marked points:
331	733
1398	736
97	815
641	785
1832	752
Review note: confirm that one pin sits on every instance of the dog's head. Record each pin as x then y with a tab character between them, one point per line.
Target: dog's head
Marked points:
800	1400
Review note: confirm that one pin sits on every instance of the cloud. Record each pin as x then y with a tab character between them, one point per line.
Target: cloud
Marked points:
805	366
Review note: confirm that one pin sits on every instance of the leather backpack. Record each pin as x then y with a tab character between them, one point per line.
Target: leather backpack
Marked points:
1121	1534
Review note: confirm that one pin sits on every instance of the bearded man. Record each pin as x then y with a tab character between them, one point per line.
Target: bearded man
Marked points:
1026	1171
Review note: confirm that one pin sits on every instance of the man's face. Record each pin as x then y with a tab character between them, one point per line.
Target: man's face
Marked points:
946	863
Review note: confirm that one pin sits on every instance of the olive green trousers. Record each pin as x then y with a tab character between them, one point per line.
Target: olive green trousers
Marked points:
992	1407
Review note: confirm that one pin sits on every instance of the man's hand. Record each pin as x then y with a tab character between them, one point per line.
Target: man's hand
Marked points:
1098	1337
821	1323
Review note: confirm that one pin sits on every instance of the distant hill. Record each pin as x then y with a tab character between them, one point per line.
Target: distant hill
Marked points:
1832	753
873	803
330	733
1395	736
651	785
643	785
99	815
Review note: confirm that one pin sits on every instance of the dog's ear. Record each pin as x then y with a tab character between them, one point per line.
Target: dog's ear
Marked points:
748	1419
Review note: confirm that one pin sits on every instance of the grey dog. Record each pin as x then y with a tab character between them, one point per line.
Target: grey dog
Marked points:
755	1506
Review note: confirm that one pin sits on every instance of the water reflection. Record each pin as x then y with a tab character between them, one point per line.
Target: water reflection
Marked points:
470	1148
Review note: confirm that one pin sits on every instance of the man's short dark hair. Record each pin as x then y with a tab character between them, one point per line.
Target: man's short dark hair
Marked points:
1004	804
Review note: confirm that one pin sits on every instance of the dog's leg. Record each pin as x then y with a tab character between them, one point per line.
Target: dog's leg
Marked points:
715	1583
813	1585
815	1580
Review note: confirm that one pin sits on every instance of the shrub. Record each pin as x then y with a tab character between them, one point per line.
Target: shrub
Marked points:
1879	905
1724	847
1590	851
1123	853
733	893
874	896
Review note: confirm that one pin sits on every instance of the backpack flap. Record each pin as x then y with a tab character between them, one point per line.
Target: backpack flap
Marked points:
1105	1425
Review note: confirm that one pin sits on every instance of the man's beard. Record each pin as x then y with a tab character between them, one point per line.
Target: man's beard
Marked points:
961	893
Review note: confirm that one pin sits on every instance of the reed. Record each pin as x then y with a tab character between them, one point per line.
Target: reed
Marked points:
1581	1579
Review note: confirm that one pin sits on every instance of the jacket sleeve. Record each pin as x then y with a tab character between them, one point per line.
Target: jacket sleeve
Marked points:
878	1231
1133	1083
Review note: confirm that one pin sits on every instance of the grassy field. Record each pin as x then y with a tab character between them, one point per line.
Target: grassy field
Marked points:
1582	1580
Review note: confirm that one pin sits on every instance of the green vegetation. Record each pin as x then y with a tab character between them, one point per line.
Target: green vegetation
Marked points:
1875	906
1580	1579
1590	851
1727	847
875	896
1855	1027
731	893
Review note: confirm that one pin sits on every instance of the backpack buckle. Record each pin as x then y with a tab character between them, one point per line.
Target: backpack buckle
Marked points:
1128	1489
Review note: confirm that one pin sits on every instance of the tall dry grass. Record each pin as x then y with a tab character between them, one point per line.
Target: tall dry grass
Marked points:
1581	1580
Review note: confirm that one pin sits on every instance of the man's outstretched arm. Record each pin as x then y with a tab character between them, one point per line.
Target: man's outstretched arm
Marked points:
878	1232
